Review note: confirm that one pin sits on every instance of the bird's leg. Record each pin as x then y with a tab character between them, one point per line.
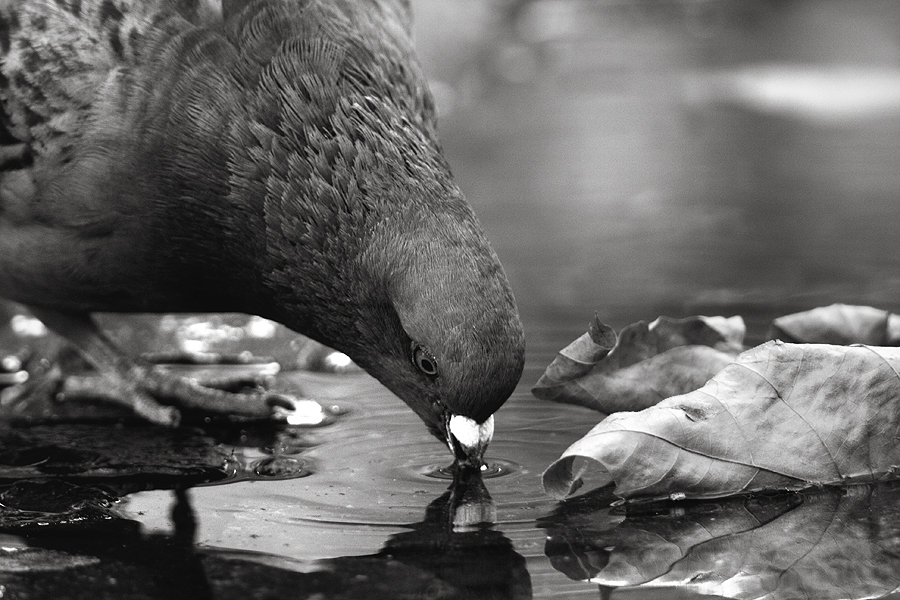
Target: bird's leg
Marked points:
152	393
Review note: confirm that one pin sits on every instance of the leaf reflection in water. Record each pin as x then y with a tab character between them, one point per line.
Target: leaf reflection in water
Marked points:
834	543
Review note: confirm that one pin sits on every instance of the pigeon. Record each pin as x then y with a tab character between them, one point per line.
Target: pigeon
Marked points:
277	158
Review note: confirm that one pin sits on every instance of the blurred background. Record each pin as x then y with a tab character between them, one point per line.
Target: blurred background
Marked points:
645	157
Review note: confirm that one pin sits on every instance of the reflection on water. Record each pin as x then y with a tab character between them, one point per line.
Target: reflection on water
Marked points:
496	467
451	554
630	158
835	543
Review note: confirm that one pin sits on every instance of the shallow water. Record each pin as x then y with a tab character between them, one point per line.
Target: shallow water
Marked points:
667	158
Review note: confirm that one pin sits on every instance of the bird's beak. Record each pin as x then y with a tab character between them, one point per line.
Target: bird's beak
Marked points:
468	440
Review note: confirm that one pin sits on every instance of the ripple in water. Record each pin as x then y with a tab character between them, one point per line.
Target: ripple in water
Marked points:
379	467
494	469
280	467
249	466
268	454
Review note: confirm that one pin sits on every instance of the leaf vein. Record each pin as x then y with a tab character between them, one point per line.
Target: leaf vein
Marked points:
787	404
720	458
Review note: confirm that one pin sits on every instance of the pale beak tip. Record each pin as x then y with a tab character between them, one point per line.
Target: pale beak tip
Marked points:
468	439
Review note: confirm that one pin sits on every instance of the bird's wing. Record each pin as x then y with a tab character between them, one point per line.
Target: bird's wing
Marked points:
62	65
56	54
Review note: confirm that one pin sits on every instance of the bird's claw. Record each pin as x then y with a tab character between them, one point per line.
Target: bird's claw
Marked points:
154	394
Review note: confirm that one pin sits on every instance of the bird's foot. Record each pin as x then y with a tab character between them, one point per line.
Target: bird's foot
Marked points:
161	396
157	394
196	387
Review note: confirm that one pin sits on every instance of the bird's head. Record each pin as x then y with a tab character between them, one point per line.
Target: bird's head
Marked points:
372	250
442	331
364	242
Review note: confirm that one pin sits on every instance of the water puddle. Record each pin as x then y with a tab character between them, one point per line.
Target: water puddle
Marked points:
367	503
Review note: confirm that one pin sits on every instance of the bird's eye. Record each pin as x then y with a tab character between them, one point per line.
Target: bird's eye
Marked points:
424	361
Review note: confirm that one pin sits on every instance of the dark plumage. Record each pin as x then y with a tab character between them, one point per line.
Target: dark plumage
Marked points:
273	157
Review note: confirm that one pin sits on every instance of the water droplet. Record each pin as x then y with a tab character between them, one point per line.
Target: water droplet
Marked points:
26	326
280	467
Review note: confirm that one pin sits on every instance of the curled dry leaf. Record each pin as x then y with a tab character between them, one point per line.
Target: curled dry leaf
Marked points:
840	324
831	544
782	416
641	366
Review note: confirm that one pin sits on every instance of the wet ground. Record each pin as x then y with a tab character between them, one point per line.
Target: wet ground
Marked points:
627	158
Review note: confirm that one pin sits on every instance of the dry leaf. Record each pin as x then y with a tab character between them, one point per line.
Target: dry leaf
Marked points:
838	543
840	324
646	364
783	416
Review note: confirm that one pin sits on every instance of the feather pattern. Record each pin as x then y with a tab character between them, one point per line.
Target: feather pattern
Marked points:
276	157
